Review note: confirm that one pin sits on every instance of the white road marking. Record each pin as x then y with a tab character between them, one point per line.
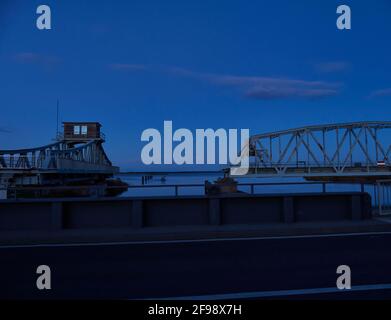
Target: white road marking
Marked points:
122	243
280	293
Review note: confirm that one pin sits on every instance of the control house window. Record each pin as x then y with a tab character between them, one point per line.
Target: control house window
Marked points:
84	130
76	130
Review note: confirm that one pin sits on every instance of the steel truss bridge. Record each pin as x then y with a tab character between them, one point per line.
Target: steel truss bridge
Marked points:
60	157
358	151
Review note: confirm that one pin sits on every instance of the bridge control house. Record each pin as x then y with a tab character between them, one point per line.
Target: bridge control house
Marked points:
82	131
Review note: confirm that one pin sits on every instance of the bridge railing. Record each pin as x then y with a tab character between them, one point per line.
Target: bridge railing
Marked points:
146	190
255	187
307	164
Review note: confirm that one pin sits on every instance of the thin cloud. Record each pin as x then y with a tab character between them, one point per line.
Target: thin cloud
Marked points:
269	93
266	88
35	58
332	67
253	87
381	93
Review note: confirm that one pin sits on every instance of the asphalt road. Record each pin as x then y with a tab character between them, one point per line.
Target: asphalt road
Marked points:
293	267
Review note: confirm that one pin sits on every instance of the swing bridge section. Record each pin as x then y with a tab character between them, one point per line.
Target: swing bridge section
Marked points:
61	160
351	152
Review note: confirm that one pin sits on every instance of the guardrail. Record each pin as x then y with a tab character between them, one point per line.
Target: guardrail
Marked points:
251	185
96	190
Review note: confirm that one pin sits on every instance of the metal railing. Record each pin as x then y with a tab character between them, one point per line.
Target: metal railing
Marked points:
251	186
177	189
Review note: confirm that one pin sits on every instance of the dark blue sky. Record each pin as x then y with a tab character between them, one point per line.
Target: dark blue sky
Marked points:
263	65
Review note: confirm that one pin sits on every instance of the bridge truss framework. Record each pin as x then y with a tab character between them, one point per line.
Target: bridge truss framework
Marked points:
336	151
61	156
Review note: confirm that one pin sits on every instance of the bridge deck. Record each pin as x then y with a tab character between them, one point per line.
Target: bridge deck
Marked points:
320	171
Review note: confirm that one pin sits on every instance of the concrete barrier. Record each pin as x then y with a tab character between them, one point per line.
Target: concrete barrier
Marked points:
136	213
